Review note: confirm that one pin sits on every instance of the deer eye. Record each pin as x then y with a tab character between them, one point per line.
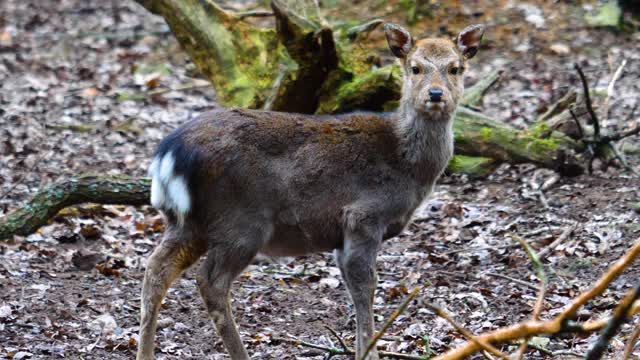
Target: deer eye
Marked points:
455	70
415	70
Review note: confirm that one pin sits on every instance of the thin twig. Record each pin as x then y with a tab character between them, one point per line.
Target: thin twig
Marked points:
340	339
335	351
575	119
619	136
330	350
536	188
517	281
611	86
631	343
478	248
559	324
256	13
587	100
623	161
390	321
542	254
484	345
180	88
601	285
554	353
542	275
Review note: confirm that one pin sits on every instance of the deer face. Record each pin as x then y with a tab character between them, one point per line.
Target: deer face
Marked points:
433	68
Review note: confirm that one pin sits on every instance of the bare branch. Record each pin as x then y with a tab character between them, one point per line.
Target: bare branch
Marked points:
619	316
587	99
542	275
575	118
560	323
611	86
517	281
476	340
631	343
601	285
340	339
563	236
257	13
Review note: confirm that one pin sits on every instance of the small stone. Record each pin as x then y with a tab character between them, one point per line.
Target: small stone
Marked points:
104	323
330	282
560	49
165	323
5	311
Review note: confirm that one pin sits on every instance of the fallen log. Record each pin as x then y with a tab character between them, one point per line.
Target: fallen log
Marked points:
88	188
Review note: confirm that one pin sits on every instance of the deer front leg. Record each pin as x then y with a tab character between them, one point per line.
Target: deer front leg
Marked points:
357	262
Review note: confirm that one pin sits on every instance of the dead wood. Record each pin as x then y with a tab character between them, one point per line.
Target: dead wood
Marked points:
88	188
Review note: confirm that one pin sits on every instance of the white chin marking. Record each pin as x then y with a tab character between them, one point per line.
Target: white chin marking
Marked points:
435	106
169	191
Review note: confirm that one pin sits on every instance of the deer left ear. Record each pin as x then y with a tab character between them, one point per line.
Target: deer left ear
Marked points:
468	41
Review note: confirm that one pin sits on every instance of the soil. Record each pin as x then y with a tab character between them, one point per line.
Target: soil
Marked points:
76	96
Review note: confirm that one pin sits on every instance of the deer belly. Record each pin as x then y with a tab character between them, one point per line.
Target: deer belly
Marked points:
296	240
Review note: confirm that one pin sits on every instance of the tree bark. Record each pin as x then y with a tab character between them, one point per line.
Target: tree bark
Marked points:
88	188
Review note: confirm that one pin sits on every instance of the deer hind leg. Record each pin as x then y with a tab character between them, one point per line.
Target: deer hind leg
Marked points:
171	257
224	262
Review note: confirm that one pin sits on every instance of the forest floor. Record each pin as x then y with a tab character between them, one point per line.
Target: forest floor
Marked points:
84	88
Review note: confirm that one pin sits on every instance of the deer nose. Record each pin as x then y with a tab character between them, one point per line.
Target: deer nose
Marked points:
435	94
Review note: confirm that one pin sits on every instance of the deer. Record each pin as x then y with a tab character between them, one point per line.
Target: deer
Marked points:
234	183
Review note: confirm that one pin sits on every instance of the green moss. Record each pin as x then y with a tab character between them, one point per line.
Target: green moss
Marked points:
541	146
370	91
540	129
471	165
486	133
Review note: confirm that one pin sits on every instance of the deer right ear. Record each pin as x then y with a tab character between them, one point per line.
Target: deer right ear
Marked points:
399	39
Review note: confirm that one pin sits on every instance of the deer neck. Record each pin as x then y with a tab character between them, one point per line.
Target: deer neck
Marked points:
425	142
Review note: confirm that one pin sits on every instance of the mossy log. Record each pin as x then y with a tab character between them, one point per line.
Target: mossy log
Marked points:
88	188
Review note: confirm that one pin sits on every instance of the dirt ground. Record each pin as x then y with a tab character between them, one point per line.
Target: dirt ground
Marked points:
75	77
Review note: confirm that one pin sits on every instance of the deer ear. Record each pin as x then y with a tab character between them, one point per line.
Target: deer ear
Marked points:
468	41
399	39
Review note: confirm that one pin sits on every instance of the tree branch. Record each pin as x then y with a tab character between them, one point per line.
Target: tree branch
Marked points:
619	316
47	202
560	323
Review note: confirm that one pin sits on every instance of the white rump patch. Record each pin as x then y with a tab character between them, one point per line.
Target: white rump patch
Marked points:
169	191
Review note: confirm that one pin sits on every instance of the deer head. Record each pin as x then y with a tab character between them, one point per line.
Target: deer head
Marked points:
433	69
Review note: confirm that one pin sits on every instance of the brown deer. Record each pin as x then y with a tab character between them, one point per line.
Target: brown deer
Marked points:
234	183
